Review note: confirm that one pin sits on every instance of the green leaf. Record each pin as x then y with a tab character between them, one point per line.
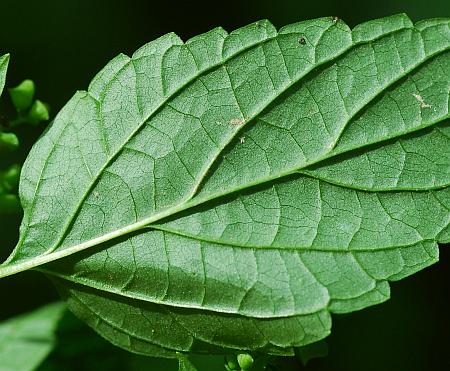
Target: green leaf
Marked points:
26	340
4	60
234	190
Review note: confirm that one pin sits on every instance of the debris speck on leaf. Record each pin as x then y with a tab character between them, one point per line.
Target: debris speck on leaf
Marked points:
236	122
242	140
421	101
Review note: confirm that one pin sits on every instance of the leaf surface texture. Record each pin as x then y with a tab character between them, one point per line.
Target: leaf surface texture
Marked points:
234	190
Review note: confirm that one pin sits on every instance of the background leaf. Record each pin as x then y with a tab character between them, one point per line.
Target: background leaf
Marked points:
26	341
405	236
4	59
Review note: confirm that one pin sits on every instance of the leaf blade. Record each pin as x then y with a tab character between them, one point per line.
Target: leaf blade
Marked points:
279	225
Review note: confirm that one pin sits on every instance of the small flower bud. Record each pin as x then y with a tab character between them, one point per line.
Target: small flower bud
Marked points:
9	179
39	112
231	363
8	142
245	361
22	95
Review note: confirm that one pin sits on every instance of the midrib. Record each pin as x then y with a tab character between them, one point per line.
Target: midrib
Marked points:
94	181
7	270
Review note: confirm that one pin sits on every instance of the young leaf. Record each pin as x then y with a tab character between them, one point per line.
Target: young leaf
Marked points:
4	59
234	190
26	341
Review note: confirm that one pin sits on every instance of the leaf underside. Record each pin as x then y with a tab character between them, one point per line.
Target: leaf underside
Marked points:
234	190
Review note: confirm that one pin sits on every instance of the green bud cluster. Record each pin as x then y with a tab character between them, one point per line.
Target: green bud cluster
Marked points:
29	111
243	362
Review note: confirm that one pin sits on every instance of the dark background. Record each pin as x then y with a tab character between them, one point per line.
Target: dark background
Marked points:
62	44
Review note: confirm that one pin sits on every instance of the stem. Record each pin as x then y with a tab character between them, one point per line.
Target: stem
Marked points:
10	269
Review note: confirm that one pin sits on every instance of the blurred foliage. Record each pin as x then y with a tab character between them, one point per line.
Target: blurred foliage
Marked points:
28	111
62	44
